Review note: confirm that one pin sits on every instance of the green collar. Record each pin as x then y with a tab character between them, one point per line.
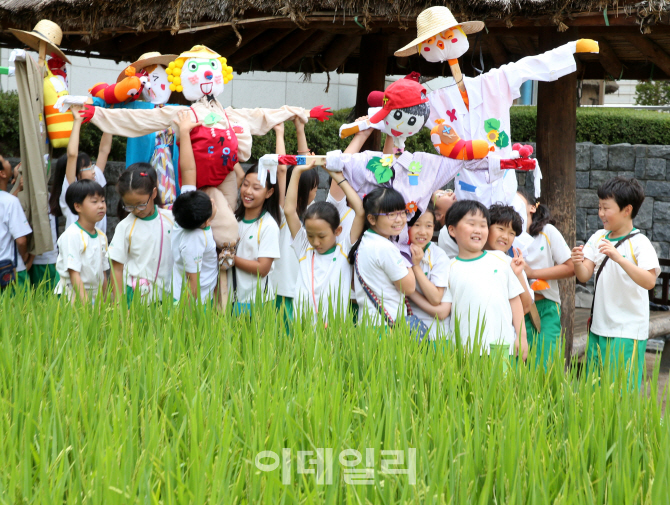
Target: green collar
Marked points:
207	228
330	251
92	235
472	259
372	231
427	246
254	220
152	216
617	239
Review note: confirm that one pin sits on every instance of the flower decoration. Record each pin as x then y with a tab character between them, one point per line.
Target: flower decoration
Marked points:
415	167
383	173
411	207
492	136
387	160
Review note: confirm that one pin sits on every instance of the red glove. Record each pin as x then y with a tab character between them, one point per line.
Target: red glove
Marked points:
320	113
87	113
526	164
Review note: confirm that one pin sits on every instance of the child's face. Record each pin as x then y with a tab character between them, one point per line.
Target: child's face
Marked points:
389	224
141	204
87	173
422	232
211	218
470	232
320	235
253	193
611	215
92	209
501	237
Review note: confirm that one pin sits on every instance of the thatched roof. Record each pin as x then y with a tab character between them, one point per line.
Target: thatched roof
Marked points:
324	35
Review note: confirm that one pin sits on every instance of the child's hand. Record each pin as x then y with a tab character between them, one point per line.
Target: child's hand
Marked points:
607	248
518	263
417	254
299	125
184	122
521	343
279	129
577	255
76	109
227	256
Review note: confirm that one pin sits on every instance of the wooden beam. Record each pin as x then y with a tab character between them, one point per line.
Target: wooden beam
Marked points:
339	50
526	44
260	44
315	40
608	59
127	43
371	77
248	35
556	136
497	50
650	50
277	54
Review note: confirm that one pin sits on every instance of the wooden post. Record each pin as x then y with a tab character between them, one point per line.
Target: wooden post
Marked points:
371	76
556	135
42	53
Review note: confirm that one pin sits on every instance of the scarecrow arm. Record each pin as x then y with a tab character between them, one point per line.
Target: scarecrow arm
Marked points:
261	121
134	123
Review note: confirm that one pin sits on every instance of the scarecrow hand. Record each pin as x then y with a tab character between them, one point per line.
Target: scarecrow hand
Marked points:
17	55
320	113
587	46
87	113
334	161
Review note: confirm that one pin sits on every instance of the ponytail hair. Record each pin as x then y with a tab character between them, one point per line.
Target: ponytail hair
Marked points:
379	200
139	177
541	218
270	205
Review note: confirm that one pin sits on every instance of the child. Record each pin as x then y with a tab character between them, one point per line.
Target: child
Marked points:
483	289
381	279
257	214
193	247
620	310
548	259
430	265
141	250
82	248
76	166
324	274
14	229
506	225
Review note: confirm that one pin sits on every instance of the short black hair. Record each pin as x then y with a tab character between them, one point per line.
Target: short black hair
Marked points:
79	190
624	192
192	209
323	210
462	208
421	110
506	215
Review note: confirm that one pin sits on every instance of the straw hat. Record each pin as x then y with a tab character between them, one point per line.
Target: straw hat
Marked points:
433	21
46	31
200	52
147	60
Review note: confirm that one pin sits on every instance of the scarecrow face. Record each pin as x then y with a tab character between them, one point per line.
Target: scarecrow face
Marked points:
401	124
448	45
201	77
159	93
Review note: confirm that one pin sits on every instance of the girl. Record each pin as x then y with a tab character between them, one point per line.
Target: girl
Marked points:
141	250
548	259
324	274
76	166
257	214
430	265
381	278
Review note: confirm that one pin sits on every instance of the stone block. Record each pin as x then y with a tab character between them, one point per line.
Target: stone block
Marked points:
644	215
583	156
587	198
657	189
640	167
598	177
658	152
112	199
583	180
113	170
621	157
593	224
640	151
662	249
661	232
598	157
321	195
580	224
591	212
655	168
661	211
627	175
111	227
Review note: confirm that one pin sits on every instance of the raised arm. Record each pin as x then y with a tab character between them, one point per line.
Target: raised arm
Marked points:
291	203
186	158
73	145
280	148
103	151
355	203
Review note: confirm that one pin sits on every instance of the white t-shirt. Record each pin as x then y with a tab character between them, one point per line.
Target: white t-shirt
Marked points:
137	245
70	217
480	290
380	264
194	251
547	250
329	274
347	216
259	238
284	268
435	266
49	257
621	307
446	243
82	252
13	225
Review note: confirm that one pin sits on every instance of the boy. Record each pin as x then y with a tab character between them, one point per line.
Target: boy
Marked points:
14	229
620	310
193	247
82	248
482	286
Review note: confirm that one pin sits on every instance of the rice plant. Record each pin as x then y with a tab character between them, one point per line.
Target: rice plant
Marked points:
168	404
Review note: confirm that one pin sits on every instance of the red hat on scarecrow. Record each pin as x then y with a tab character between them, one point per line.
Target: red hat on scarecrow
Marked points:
399	95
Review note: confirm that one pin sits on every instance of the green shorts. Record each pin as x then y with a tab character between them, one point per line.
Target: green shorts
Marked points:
549	338
602	351
44	275
288	305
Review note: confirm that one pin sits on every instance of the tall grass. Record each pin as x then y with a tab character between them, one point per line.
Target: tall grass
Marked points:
170	405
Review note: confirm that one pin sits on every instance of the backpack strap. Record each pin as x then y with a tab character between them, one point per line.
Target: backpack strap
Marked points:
372	297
